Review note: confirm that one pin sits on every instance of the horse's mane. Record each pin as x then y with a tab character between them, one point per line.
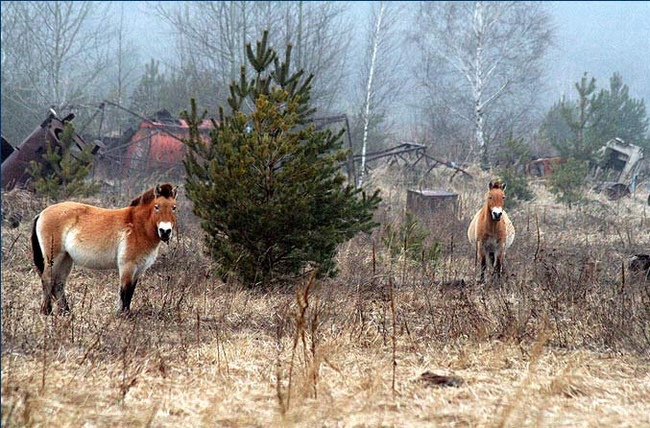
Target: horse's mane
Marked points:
164	190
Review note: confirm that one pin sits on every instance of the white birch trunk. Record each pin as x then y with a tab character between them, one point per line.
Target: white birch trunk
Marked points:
478	85
369	91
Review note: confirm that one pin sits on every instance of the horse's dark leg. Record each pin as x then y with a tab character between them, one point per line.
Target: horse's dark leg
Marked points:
495	263
498	266
126	294
46	305
58	292
483	265
47	281
492	259
59	295
128	281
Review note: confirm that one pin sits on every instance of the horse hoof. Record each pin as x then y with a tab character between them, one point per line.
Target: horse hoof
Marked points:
124	313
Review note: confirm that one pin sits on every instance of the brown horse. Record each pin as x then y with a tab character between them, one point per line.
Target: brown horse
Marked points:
126	239
491	231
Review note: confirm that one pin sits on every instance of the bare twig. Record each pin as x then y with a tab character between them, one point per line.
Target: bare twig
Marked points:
393	338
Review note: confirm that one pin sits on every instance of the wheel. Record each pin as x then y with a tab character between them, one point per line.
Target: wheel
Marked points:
617	191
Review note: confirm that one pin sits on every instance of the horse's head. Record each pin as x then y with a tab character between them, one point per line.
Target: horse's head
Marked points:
496	199
164	210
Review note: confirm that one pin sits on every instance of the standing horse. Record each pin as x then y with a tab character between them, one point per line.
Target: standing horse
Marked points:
491	231
127	239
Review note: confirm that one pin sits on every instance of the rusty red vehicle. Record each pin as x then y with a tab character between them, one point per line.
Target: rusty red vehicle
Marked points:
157	145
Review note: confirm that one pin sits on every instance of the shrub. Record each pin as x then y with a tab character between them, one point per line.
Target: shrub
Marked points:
410	241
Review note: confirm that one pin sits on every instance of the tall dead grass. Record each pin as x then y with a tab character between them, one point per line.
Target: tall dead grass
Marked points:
562	340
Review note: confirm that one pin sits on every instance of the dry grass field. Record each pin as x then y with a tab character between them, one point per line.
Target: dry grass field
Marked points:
562	341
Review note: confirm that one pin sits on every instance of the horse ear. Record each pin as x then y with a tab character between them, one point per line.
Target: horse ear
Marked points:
174	192
156	191
491	186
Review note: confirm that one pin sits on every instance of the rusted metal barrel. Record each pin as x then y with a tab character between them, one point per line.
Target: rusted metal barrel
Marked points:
432	204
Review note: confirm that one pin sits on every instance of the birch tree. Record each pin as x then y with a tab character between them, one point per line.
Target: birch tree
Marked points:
374	46
482	60
381	73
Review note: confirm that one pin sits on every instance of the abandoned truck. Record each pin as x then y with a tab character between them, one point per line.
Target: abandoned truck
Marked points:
618	176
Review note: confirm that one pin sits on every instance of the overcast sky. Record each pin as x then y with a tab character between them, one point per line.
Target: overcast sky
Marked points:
601	38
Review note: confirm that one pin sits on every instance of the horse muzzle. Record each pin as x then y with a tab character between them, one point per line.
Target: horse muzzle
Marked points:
165	231
496	214
164	235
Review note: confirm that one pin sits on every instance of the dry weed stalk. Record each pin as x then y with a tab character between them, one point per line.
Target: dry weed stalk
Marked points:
300	318
393	338
313	329
45	323
44	355
539	237
98	337
198	331
128	380
279	390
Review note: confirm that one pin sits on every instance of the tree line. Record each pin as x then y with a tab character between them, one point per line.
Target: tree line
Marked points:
460	77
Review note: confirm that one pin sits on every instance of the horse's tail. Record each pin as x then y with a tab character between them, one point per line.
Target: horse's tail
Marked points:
39	261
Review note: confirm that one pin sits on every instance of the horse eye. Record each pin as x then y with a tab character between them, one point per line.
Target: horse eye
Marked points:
174	208
156	207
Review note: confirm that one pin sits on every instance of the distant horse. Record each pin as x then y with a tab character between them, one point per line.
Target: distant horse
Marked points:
491	231
126	239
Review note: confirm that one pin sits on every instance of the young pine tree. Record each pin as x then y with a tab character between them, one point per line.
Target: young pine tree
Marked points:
268	186
63	174
567	182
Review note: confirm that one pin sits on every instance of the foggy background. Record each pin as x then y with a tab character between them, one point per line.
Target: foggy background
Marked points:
414	98
599	37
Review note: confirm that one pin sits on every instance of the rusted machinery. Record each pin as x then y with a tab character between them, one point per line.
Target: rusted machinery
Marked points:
16	160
